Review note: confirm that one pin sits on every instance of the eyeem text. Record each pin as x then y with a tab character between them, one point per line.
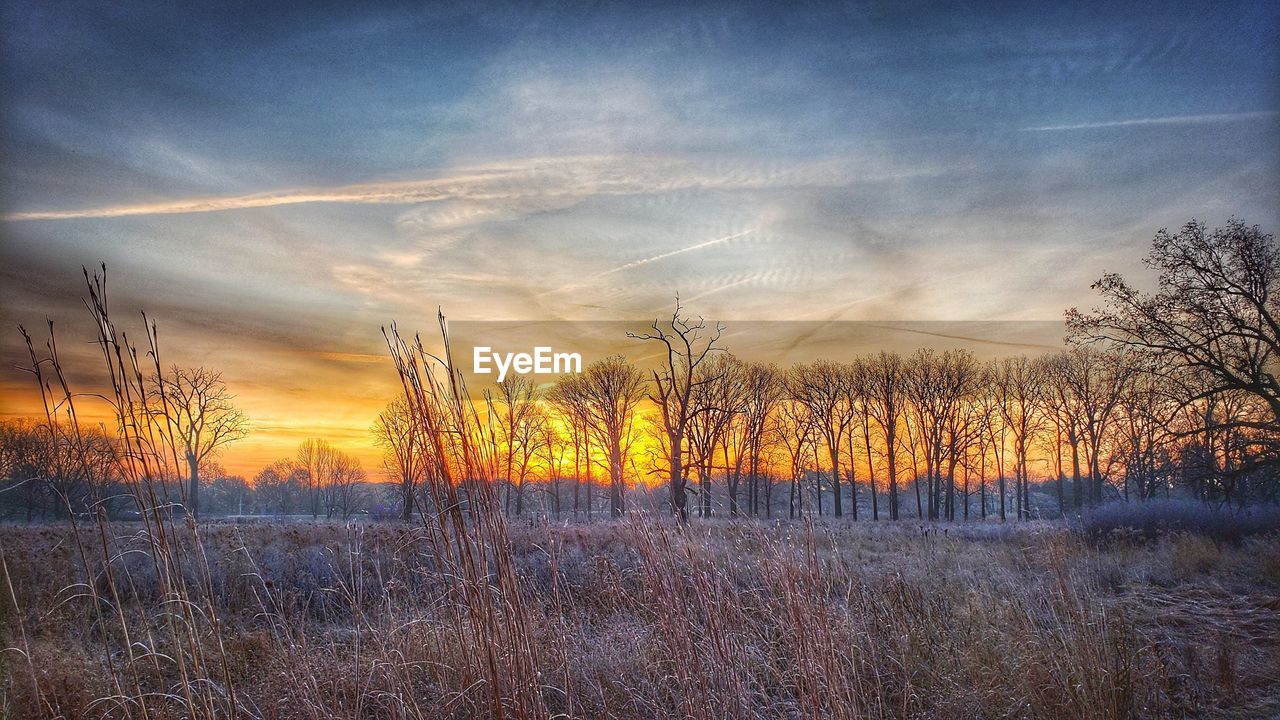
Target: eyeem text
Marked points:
542	361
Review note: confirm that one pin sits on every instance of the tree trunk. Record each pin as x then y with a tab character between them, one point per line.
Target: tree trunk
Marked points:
615	477
835	477
193	488
679	497
406	514
1075	469
893	478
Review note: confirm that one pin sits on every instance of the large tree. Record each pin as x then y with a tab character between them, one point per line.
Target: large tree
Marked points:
1215	311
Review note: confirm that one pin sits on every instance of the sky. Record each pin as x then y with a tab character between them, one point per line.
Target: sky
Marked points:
273	183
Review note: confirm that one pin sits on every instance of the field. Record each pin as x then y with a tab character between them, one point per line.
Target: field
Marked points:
641	618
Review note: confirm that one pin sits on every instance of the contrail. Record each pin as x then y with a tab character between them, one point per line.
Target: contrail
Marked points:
650	259
478	186
967	338
562	179
1171	120
672	253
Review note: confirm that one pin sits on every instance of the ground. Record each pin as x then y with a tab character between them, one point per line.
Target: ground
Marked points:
639	618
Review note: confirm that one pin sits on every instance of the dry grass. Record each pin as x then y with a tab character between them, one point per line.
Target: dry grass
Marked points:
645	619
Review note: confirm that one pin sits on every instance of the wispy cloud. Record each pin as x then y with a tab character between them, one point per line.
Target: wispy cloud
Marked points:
565	179
1169	120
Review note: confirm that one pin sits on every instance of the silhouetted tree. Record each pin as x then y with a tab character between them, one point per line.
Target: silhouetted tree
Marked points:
688	344
1216	311
198	416
404	453
823	387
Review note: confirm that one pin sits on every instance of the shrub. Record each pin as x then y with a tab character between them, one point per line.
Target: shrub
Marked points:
1153	518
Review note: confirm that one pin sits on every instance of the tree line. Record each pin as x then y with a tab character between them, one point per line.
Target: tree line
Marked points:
1160	393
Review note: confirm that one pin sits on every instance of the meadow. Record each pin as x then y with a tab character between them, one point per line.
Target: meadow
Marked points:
639	618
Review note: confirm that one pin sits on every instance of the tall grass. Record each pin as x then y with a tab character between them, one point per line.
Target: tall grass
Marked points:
641	618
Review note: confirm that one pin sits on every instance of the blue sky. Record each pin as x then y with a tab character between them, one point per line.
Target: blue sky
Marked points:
277	182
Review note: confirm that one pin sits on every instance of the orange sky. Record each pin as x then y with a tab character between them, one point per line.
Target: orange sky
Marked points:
291	395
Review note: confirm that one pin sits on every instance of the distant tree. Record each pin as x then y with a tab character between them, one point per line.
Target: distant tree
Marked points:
1062	406
940	386
25	465
520	434
343	477
796	430
719	395
762	388
197	415
611	390
688	343
568	398
884	376
315	459
222	493
1145	435
1094	382
1020	387
277	487
403	452
823	387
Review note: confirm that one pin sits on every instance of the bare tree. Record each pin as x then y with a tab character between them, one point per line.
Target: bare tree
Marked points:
1145	435
688	344
519	421
199	418
796	429
1217	310
568	398
884	377
761	390
717	401
823	387
609	392
1094	381
1020	385
404	453
343	477
940	385
315	457
277	487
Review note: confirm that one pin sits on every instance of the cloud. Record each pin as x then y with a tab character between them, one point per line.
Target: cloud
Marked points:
539	184
1170	120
